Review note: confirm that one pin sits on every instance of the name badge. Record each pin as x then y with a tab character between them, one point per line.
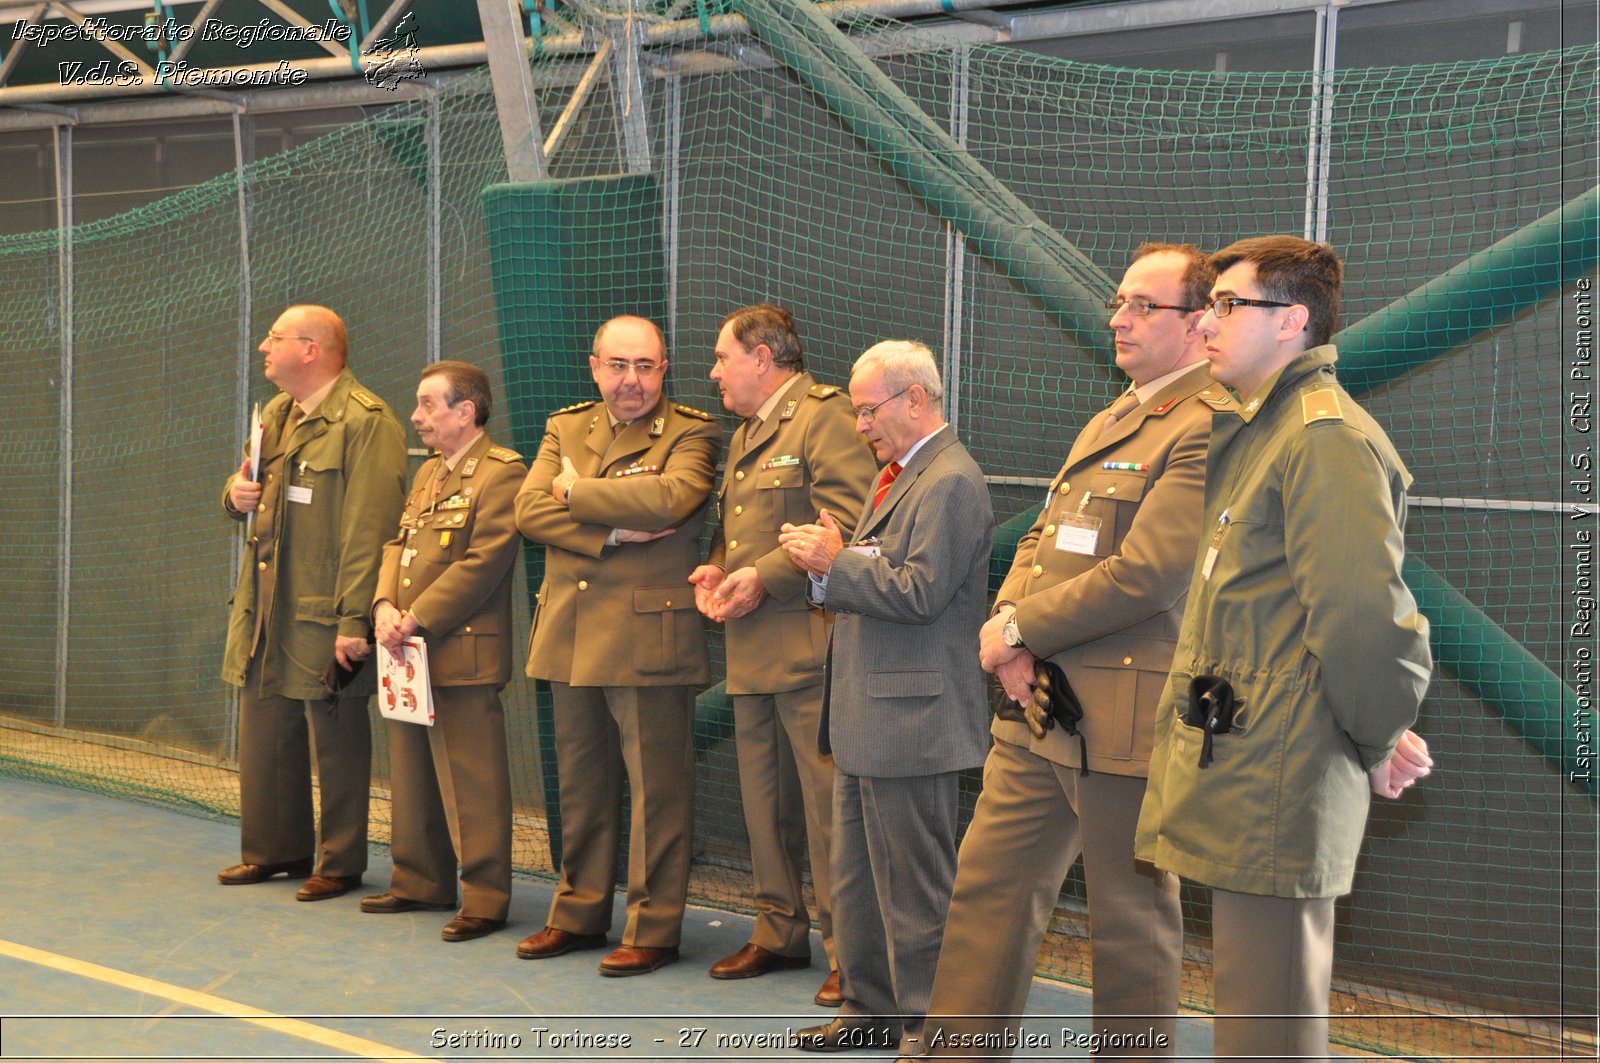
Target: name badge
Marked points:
1077	533
299	494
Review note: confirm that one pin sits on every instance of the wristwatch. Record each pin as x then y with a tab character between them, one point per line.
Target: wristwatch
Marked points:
1010	635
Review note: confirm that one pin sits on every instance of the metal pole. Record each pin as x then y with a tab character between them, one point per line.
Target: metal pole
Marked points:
64	315
1324	49
435	208
243	152
673	200
955	249
514	101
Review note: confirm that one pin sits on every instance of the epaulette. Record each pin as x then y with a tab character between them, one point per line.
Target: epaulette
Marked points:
1217	398
824	391
576	406
1319	404
505	454
366	398
690	411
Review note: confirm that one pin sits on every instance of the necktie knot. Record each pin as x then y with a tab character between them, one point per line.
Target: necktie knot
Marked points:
1120	409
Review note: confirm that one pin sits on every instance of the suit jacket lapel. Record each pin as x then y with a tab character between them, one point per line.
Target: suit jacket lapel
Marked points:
902	483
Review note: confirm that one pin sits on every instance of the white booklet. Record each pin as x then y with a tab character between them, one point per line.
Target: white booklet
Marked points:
404	692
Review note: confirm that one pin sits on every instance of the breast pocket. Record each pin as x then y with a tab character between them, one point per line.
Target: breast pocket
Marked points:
785	496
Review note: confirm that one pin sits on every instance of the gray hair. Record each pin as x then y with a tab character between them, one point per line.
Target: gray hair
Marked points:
904	363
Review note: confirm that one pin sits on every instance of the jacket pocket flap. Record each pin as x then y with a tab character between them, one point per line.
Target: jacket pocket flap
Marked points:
1124	486
786	476
317	610
663	599
1128	653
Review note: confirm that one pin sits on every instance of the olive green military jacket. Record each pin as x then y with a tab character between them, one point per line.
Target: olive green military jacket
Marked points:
342	485
451	564
620	615
1297	601
1100	580
804	458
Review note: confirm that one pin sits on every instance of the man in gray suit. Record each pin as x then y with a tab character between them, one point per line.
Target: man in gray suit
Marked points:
905	710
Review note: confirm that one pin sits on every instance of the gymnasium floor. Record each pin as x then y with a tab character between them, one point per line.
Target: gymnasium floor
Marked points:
117	943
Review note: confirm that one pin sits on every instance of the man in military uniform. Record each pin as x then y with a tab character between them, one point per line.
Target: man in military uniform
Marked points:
1098	587
327	492
618	496
796	454
1302	659
447	579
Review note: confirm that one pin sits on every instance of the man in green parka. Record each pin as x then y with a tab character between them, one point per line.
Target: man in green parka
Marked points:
1302	659
326	494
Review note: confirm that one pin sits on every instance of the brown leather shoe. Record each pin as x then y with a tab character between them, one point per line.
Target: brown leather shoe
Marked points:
842	1036
829	996
753	961
250	874
322	887
468	927
629	960
551	942
389	904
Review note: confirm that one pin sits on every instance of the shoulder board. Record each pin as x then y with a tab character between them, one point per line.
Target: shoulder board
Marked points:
366	398
1217	398
690	411
577	406
824	391
505	454
1320	404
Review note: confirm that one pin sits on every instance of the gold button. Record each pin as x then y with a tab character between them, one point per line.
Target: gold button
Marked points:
406	582
737	510
1111	490
269	477
733	544
1064	488
669	603
261	565
583	585
739	475
1038	570
1127	660
469	629
1049	529
261	507
777	481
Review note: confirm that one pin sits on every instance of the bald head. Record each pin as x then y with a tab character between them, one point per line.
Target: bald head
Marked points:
635	333
304	349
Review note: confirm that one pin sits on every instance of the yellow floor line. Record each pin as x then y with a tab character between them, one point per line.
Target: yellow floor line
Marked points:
358	1046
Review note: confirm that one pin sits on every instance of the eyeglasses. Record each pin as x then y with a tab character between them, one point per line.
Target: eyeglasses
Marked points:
1223	306
620	367
278	337
870	413
1139	307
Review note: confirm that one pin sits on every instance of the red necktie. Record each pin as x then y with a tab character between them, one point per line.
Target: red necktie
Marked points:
890	471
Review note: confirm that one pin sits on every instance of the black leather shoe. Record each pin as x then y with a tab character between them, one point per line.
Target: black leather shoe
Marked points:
753	961
841	1036
468	927
322	887
389	904
551	942
250	874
